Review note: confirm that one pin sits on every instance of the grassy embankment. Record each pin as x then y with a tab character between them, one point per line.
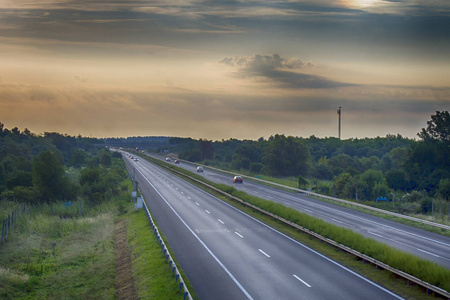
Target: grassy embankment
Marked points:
48	257
420	268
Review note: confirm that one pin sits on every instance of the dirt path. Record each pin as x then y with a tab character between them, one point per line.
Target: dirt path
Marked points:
124	276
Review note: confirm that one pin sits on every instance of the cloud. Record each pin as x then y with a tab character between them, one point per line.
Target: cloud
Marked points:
80	78
281	71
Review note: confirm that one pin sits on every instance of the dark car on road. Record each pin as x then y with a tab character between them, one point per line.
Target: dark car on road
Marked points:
238	179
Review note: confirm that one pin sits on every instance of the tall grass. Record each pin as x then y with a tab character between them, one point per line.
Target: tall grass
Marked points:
6	208
48	257
152	273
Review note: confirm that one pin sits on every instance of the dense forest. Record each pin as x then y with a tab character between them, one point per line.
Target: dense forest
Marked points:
53	167
361	169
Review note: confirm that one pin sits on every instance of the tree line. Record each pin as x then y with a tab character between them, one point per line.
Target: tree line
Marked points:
51	167
361	169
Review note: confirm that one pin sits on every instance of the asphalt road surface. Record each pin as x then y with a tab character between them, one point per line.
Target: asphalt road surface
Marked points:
227	254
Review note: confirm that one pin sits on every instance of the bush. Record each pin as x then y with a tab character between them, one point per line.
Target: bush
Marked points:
256	167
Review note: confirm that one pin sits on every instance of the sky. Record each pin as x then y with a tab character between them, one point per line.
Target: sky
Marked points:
224	69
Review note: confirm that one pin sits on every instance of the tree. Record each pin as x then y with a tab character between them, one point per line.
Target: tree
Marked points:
438	128
340	182
322	169
93	184
444	188
397	179
207	149
286	156
302	182
78	158
105	158
48	175
20	178
369	180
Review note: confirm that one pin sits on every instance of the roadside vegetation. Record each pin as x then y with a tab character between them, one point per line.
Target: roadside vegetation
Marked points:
406	176
63	245
418	267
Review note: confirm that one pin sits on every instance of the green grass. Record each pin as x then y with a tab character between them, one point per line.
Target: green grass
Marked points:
66	256
47	257
153	276
6	208
420	268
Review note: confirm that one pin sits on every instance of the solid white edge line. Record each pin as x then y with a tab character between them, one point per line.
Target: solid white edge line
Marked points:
427	252
304	282
220	221
376	234
337	221
201	242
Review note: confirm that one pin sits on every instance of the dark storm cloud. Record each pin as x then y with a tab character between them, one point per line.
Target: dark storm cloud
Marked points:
280	71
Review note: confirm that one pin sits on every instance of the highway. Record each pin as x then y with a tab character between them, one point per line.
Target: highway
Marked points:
425	244
227	254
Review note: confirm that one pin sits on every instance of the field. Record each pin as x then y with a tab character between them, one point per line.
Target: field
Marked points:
74	257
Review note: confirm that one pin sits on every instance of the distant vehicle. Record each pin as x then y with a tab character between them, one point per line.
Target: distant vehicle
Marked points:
199	169
238	179
136	159
177	161
168	159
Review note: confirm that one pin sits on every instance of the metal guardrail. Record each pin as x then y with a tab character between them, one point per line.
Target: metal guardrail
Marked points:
364	257
175	272
308	193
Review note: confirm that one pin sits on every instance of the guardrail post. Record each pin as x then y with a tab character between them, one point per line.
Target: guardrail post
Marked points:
185	295
181	285
177	277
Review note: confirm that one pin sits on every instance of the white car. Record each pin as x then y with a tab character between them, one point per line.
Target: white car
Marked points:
168	159
199	169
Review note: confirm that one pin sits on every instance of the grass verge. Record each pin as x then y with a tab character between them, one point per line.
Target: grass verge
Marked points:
153	277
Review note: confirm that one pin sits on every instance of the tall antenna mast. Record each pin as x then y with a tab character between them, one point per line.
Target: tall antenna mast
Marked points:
339	129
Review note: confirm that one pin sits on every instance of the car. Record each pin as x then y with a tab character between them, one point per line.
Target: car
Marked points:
136	159
177	161
238	179
199	169
168	159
